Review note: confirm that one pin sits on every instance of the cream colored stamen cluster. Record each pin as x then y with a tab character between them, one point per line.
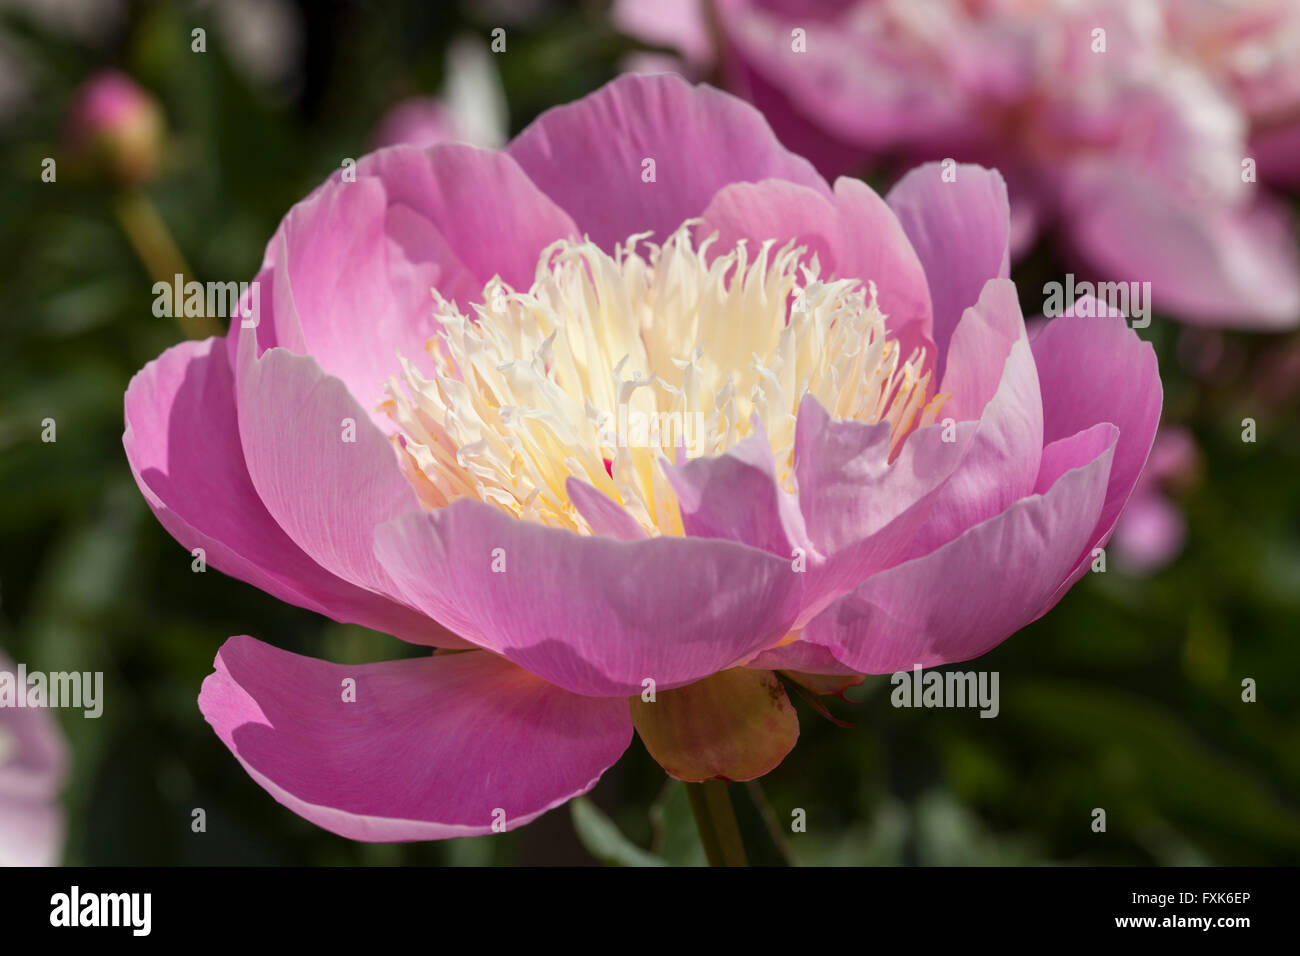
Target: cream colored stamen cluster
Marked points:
552	382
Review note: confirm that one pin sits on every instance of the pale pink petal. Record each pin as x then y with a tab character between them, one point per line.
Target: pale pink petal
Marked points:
854	234
606	516
590	156
352	267
592	615
735	496
964	598
324	471
961	231
1098	370
992	380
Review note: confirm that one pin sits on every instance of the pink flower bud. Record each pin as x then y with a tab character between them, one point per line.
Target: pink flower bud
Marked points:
117	127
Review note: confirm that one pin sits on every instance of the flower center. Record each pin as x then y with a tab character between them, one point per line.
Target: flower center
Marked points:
609	365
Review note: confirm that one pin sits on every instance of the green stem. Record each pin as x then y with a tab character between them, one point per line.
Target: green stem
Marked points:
153	243
716	820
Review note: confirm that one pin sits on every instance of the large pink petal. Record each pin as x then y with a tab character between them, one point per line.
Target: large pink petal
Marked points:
862	512
588	156
431	747
593	615
991	380
182	443
1098	370
327	492
967	596
961	230
351	268
854	234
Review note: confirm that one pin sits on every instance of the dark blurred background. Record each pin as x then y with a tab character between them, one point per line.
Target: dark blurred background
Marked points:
1127	696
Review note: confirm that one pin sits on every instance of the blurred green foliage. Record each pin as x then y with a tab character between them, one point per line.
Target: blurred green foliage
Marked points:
1127	696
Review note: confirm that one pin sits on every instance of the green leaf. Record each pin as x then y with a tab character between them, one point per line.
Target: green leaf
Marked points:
604	840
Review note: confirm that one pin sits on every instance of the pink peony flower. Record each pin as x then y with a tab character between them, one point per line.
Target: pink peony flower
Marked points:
1121	124
116	125
678	414
33	765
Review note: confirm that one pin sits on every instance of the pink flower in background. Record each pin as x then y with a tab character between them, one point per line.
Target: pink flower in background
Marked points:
1249	48
678	414
471	109
1152	531
1132	153
33	766
116	125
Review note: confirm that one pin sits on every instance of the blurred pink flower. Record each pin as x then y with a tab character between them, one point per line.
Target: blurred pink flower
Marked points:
33	765
115	125
1122	124
471	109
1250	49
418	121
872	466
1152	530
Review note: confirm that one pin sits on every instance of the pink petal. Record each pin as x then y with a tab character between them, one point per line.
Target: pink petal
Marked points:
735	496
326	492
430	748
1208	261
1098	370
862	512
992	381
854	234
961	231
606	516
800	656
182	443
962	599
699	138
352	266
592	615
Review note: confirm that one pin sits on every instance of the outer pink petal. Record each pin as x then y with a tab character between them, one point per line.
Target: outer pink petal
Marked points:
592	615
961	230
588	156
325	472
992	380
854	235
182	442
967	596
351	267
862	512
430	748
1098	370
